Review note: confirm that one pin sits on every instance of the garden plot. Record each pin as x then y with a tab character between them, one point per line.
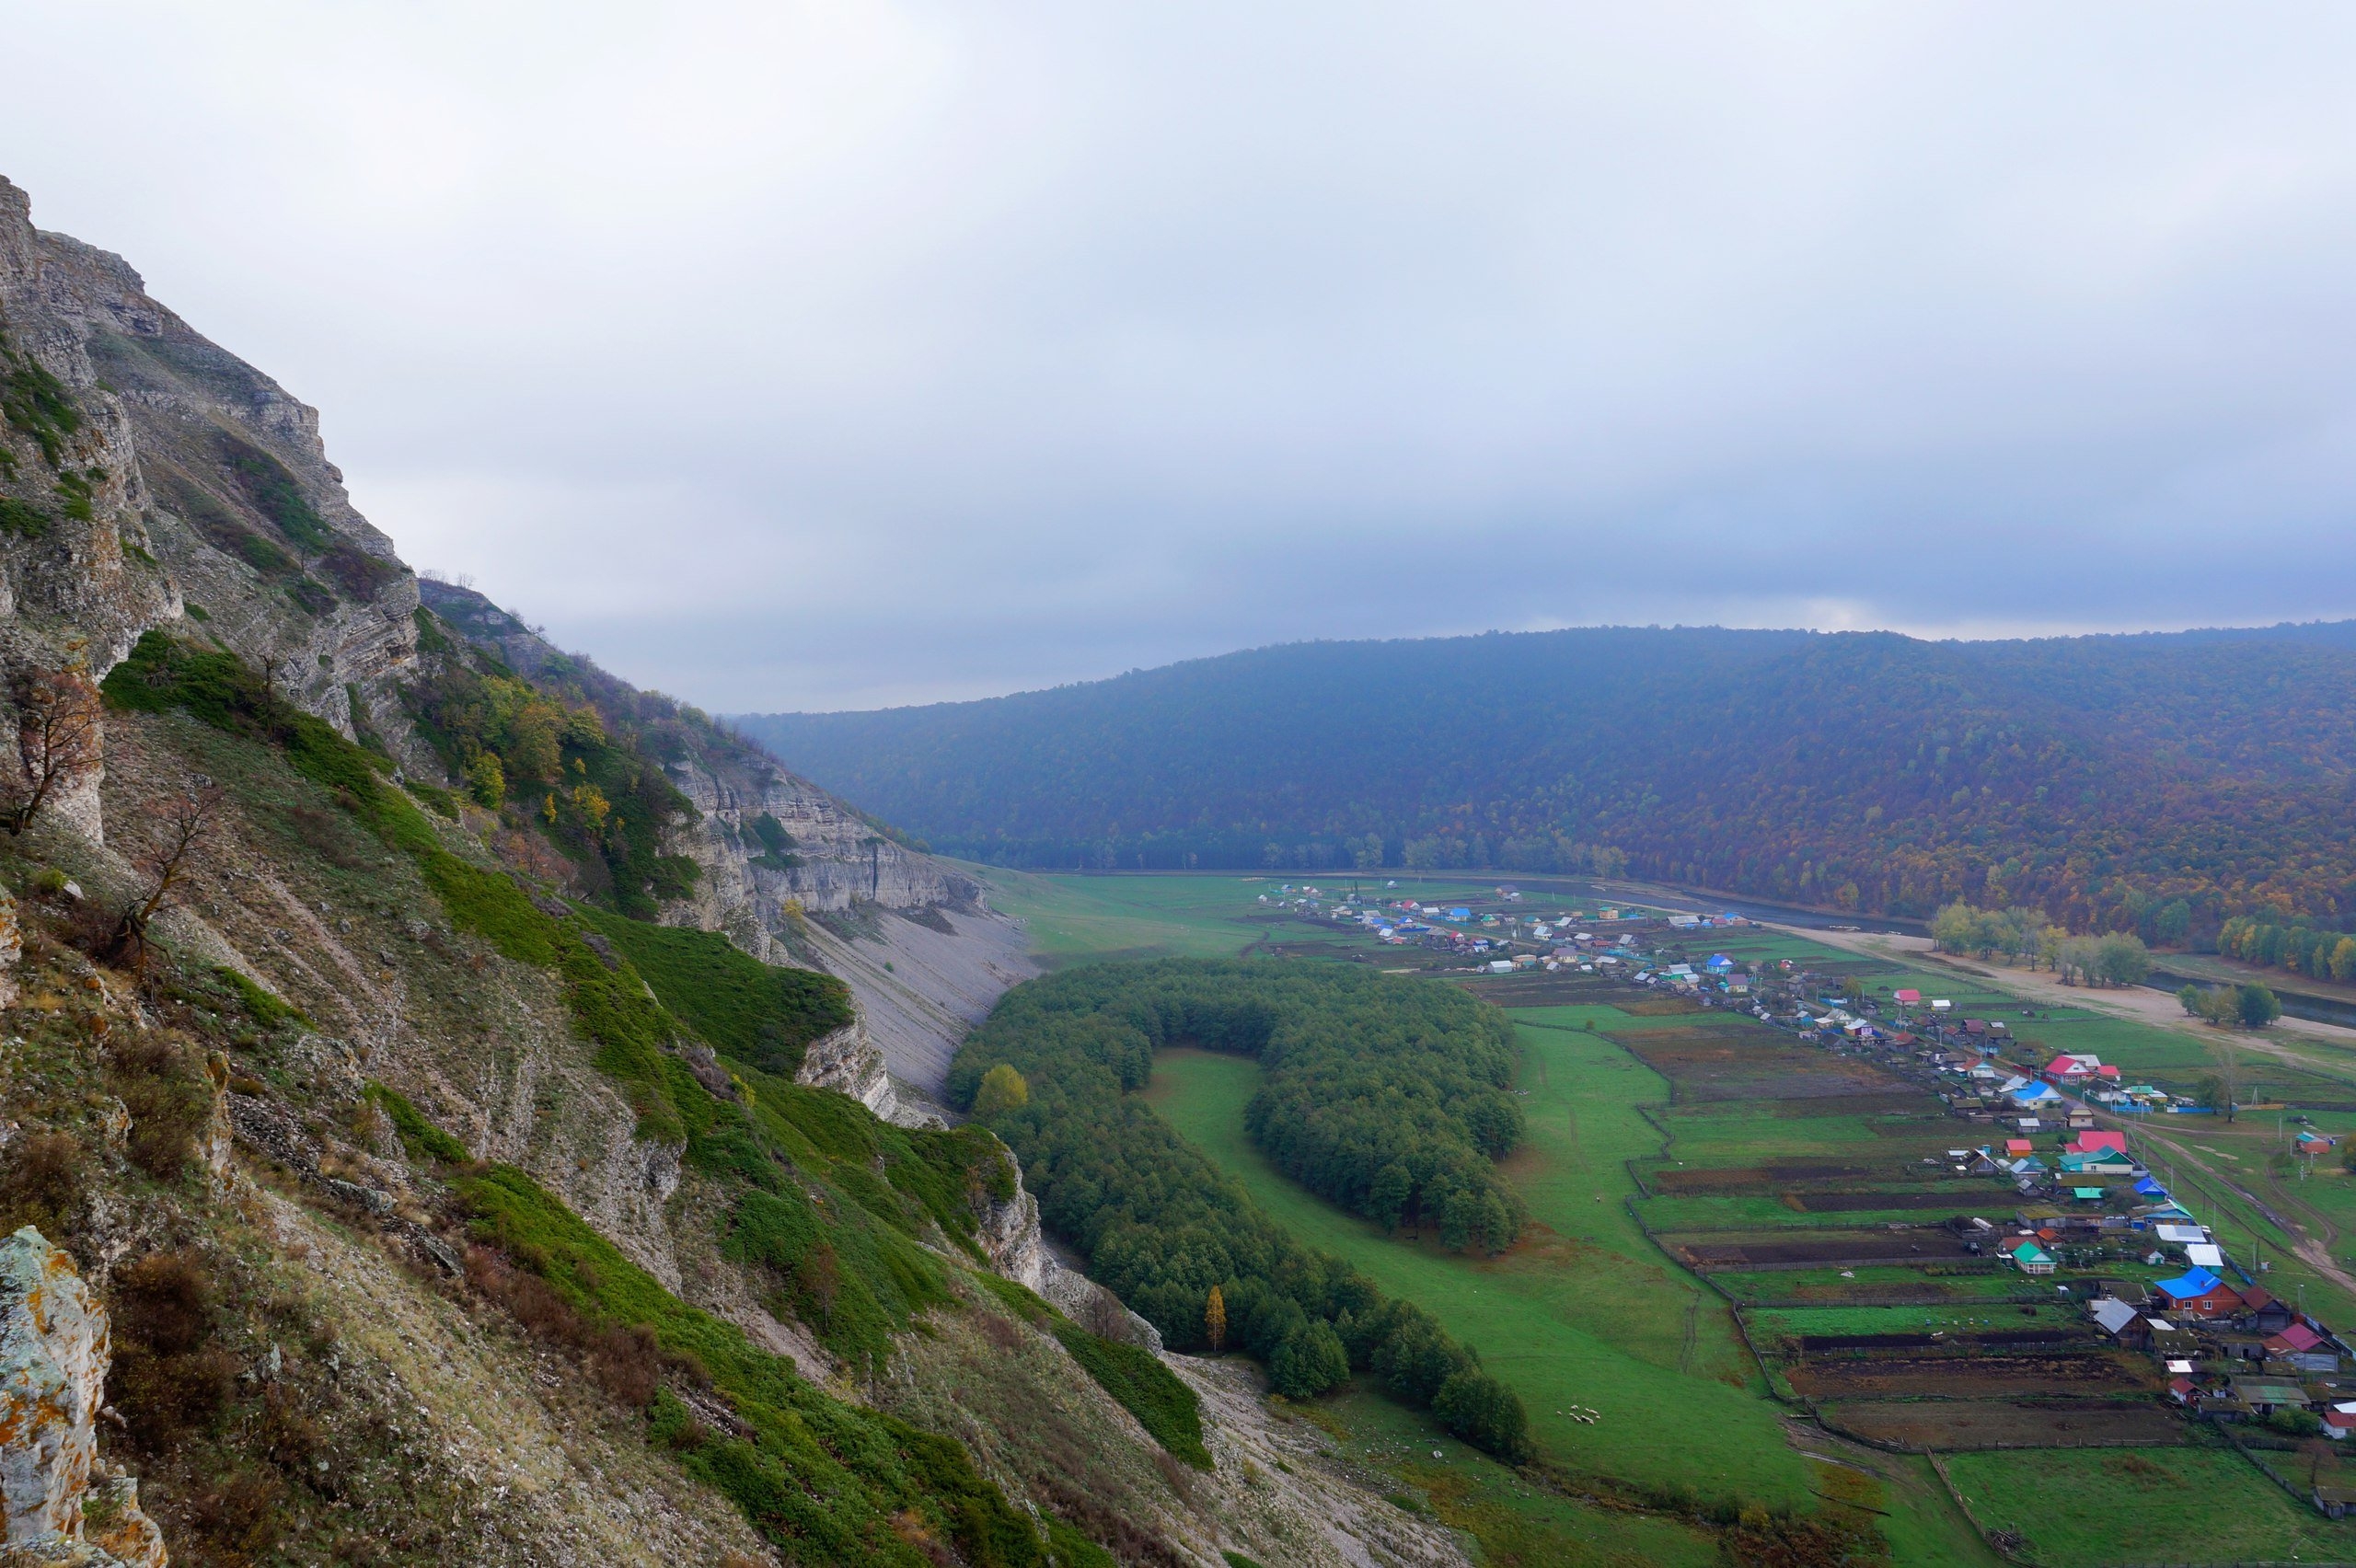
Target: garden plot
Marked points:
1958	1375
1729	1061
1982	1198
1890	1326
1984	1287
1780	1211
1817	1248
1755	1178
1958	1426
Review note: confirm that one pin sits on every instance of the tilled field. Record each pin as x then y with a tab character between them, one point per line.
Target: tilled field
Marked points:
1954	1425
1816	1248
1960	1201
1970	1377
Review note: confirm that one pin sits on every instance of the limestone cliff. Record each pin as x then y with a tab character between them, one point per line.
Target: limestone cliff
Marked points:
60	1502
793	875
173	480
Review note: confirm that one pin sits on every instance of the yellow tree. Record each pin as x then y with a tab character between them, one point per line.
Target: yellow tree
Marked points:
1003	1090
1215	1320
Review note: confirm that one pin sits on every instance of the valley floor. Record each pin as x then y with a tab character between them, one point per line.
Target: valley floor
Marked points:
1658	1135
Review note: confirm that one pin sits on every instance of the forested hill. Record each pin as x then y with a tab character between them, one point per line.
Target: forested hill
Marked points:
2164	780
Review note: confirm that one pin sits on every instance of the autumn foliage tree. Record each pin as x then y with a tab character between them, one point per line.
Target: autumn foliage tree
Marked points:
1003	1090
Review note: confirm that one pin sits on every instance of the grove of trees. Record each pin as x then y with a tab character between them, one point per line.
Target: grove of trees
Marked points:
1164	1228
2297	946
2025	936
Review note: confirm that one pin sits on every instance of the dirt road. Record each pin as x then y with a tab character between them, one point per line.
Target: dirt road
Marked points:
2140	1003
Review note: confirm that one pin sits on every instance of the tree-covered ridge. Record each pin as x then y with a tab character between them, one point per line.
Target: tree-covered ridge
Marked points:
1163	1229
2101	780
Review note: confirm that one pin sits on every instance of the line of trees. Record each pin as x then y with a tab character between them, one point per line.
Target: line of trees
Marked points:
2024	935
2297	946
1164	1228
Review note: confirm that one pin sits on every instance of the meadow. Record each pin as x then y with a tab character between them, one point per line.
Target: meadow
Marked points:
2172	1505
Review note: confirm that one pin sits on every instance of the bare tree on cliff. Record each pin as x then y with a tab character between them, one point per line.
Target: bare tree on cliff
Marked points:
57	744
183	824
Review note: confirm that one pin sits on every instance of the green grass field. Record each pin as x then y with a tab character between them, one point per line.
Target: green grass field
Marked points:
1513	1519
2188	1504
1584	1315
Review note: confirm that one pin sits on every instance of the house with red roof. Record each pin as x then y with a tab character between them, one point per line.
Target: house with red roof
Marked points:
2072	1068
2295	1340
2092	1142
2303	1348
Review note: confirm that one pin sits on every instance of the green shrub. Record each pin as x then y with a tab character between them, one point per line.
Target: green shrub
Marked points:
266	1007
417	1134
1158	1397
22	518
37	403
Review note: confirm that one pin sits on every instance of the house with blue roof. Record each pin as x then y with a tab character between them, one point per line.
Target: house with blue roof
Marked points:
2197	1293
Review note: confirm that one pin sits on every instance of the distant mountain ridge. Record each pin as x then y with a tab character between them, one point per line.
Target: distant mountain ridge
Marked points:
2162	781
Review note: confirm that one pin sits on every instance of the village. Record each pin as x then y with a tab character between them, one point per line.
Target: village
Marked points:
2066	1202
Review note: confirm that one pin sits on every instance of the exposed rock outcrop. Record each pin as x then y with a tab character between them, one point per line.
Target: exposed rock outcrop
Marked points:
1011	1238
178	474
847	1063
12	948
62	1504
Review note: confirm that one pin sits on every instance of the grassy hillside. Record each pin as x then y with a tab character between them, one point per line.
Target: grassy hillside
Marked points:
2105	778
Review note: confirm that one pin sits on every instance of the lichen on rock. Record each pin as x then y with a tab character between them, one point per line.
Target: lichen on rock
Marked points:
60	1502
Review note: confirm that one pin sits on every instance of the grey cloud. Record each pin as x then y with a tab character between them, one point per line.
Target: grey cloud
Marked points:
824	355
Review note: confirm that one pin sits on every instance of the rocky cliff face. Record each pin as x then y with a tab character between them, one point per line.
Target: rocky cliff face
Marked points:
149	478
795	876
176	480
60	1502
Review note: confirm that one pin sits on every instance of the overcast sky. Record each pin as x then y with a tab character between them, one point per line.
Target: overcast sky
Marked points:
820	355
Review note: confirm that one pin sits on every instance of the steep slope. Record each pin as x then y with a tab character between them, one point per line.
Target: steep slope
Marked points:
791	873
457	1192
2106	778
